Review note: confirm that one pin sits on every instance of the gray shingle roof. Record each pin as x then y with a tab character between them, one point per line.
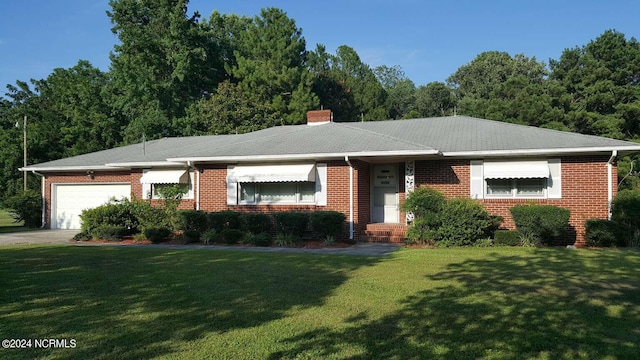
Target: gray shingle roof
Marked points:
447	136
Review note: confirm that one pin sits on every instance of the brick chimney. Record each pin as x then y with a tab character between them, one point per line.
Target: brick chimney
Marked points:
319	117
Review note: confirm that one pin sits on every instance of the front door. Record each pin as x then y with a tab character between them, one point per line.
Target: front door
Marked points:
385	207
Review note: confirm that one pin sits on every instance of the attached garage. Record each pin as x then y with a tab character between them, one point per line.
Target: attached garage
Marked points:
70	199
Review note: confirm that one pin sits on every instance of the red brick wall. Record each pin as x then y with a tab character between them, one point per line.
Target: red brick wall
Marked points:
584	188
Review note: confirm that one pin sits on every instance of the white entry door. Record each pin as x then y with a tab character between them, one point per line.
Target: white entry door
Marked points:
385	207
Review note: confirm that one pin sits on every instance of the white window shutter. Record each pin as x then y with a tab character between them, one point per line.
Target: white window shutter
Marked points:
232	190
321	184
554	183
477	179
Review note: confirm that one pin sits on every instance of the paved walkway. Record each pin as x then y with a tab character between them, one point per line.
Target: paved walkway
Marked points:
63	237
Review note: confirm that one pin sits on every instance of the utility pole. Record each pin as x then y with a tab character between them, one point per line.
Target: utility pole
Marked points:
24	146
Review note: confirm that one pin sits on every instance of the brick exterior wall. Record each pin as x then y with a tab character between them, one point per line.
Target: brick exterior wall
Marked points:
584	189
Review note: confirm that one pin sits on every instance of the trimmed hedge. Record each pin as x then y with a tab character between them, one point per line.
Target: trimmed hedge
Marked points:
193	220
157	234
109	232
327	223
462	222
422	201
261	239
507	238
291	223
255	223
605	233
192	235
545	223
231	236
222	220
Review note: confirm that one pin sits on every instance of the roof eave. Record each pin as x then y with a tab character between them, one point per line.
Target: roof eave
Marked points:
144	164
70	168
532	152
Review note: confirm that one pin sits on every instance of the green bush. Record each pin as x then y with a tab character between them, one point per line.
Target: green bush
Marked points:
544	223
462	222
192	220
114	213
422	230
255	223
625	209
507	238
287	240
224	220
261	239
148	216
109	232
210	237
327	223
422	201
82	236
231	236
157	234
605	233
27	207
192	236
291	223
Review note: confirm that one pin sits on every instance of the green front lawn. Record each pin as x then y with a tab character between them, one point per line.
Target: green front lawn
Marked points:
464	303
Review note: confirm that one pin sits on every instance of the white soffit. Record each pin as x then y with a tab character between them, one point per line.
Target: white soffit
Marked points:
516	169
272	173
165	177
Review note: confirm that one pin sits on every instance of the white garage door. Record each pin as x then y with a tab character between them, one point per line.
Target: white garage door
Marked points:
70	200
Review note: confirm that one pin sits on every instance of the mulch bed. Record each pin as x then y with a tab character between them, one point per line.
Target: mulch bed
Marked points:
307	244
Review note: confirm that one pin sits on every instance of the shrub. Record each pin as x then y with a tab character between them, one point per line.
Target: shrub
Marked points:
82	236
544	223
625	209
148	216
261	239
462	222
26	207
329	240
422	230
139	237
255	223
224	220
231	236
113	213
109	232
192	236
422	201
157	234
210	237
507	238
192	220
327	223
291	223
605	233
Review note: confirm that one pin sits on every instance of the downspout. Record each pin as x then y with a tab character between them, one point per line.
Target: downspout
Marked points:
191	166
44	203
346	158
614	154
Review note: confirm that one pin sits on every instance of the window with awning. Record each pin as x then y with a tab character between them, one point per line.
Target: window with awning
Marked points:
272	173
520	179
516	170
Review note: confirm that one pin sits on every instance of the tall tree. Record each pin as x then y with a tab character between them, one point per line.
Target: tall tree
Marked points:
435	99
163	63
271	64
400	91
603	80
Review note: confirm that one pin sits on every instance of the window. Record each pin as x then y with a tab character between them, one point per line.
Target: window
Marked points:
516	187
526	178
276	184
154	180
277	192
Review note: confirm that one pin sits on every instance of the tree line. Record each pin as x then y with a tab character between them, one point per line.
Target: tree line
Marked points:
179	74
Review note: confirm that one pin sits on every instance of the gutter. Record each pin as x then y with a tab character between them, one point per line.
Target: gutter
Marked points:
346	158
554	151
197	172
42	191
614	153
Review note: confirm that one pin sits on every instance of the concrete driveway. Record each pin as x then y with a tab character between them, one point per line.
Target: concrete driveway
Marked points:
37	237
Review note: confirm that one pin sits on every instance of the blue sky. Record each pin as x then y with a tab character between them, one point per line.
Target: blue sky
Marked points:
428	39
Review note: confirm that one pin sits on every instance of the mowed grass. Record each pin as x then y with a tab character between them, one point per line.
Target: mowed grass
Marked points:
7	224
468	303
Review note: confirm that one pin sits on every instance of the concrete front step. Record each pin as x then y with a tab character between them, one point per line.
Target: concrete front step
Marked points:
382	239
386	233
